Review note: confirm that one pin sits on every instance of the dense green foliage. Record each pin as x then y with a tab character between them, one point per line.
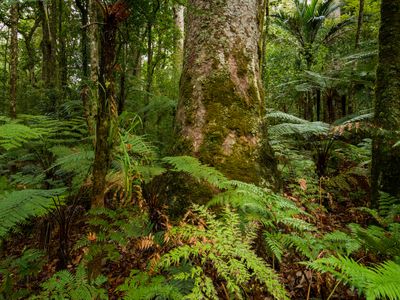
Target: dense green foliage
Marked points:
96	92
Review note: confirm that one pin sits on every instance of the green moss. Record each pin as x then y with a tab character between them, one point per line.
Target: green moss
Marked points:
241	59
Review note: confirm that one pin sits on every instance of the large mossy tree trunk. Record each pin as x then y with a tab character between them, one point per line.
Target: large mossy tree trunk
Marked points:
221	106
386	159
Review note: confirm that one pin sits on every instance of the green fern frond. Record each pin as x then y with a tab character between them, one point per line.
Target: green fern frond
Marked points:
139	147
221	244
65	285
361	116
18	206
340	241
14	135
193	167
379	240
304	131
388	204
378	282
140	286
277	117
273	242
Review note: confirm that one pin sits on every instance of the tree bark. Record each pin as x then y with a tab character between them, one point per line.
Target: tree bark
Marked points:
386	159
48	45
62	57
179	11
107	110
94	40
83	6
359	23
318	99
14	60
221	106
30	51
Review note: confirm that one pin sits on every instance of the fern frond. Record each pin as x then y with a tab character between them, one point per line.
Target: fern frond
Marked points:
277	117
14	135
65	285
18	206
378	282
273	242
304	131
193	167
387	204
221	243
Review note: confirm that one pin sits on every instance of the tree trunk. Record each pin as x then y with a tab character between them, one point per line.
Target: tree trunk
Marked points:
149	69
83	6
94	41
318	99
48	45
107	110
221	106
344	105
122	81
62	57
14	60
359	23
30	51
386	159
179	11
265	30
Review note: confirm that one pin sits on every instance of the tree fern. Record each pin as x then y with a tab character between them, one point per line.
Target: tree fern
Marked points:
304	131
18	206
75	161
378	282
14	135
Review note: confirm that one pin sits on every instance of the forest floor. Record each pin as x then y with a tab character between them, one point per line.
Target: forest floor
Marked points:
300	282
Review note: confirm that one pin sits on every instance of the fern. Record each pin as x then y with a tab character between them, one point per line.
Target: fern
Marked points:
14	135
17	206
379	240
192	166
222	244
303	131
65	285
389	206
277	117
377	282
13	270
140	286
253	203
259	204
76	161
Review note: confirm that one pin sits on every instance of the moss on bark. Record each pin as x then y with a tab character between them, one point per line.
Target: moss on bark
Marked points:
221	101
